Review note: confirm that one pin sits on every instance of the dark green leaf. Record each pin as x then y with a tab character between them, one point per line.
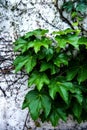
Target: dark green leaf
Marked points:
71	73
73	40
38	33
83	40
61	40
61	59
19	62
54	117
39	79
81	7
36	103
62	88
46	103
68	6
82	74
36	44
57	114
63	92
30	63
45	66
77	109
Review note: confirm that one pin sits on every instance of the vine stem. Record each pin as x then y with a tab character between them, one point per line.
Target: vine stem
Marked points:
62	16
25	121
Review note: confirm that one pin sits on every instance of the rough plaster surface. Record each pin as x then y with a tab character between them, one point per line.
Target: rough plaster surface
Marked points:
16	18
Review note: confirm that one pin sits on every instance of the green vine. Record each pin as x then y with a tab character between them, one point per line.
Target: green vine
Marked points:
58	73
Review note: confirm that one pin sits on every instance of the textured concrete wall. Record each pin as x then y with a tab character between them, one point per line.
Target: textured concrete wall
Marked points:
16	18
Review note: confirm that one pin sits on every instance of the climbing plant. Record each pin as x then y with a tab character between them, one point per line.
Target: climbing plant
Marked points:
57	70
57	67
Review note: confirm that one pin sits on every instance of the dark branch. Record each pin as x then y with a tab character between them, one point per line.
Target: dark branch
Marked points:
3	91
61	15
48	21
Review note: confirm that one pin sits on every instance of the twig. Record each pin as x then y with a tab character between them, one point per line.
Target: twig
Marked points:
25	121
47	21
61	15
3	91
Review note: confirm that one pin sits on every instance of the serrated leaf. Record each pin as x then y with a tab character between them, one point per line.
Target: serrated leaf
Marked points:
83	40
19	62
20	41
30	63
81	7
63	92
71	73
60	87
69	38
53	88
36	44
35	107
37	33
36	103
68	6
73	40
77	109
61	113
45	66
54	117
79	98
80	71
57	114
61	59
46	103
17	47
49	53
46	53
31	95
20	44
39	79
82	74
66	31
61	40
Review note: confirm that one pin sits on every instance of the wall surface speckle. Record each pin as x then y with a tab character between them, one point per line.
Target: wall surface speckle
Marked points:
16	18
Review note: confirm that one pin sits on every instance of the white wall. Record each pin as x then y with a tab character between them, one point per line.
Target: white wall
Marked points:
16	18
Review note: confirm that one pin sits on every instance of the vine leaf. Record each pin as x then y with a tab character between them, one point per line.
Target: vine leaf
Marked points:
37	102
19	62
39	79
20	44
81	7
80	71
62	88
77	109
56	114
62	40
38	33
61	59
83	40
72	39
37	43
68	6
45	66
71	73
30	64
82	74
25	61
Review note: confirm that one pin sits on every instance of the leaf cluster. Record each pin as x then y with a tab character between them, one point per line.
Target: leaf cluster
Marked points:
77	10
79	6
58	70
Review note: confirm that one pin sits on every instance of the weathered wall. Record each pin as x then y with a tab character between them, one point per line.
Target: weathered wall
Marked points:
16	18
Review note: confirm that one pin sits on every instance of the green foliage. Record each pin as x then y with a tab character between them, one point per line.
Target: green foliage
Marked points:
76	9
79	5
58	72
